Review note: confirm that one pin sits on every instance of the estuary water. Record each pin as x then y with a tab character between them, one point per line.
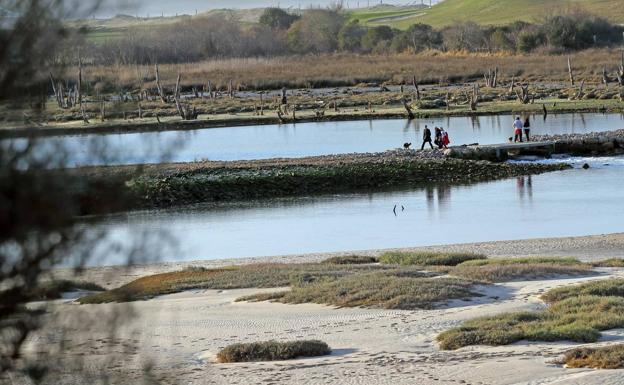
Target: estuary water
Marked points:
566	203
306	139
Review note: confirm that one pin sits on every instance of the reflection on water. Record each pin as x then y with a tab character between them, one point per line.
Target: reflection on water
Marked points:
566	203
525	188
323	138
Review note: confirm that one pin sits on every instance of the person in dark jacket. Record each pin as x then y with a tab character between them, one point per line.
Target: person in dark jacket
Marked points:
527	128
438	137
426	138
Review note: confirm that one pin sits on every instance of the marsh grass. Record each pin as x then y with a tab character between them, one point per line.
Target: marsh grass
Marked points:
424	258
605	287
235	277
607	357
523	260
577	313
351	69
397	289
401	281
520	271
272	351
612	262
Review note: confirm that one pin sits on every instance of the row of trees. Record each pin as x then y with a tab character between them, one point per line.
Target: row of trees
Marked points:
326	31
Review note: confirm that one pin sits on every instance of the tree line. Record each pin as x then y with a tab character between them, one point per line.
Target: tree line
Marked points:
316	31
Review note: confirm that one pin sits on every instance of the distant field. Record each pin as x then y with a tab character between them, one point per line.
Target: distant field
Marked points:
385	15
494	12
489	12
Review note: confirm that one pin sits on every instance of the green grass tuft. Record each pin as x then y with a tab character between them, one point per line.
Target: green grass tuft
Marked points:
423	258
272	351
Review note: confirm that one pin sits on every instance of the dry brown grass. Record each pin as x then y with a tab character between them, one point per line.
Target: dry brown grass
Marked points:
351	69
526	271
246	276
607	357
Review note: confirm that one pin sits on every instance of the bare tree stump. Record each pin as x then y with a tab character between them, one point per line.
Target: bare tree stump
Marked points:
523	96
161	92
415	84
620	71
176	93
284	98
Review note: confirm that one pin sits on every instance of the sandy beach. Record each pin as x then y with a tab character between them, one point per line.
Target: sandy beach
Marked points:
181	333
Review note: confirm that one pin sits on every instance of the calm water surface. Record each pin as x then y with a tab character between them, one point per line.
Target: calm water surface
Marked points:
567	203
306	139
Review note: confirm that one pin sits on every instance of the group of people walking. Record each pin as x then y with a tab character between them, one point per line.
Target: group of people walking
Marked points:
518	126
441	138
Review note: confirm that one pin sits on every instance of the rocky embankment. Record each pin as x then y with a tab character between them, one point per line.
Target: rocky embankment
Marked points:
594	143
167	185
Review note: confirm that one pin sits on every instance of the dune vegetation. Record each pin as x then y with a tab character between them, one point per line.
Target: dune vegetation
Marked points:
606	357
272	351
428	258
411	280
575	313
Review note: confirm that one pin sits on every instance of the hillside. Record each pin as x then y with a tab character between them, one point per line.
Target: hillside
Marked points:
504	11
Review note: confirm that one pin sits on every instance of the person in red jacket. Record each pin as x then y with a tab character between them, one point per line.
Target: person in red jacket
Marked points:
445	138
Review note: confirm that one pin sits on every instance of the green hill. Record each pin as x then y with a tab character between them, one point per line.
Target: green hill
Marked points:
504	11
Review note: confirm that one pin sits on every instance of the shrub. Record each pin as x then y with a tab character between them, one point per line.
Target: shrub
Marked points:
277	18
608	357
272	351
376	35
350	36
424	258
528	40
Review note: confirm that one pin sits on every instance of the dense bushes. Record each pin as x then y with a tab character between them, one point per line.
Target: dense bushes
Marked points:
323	30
